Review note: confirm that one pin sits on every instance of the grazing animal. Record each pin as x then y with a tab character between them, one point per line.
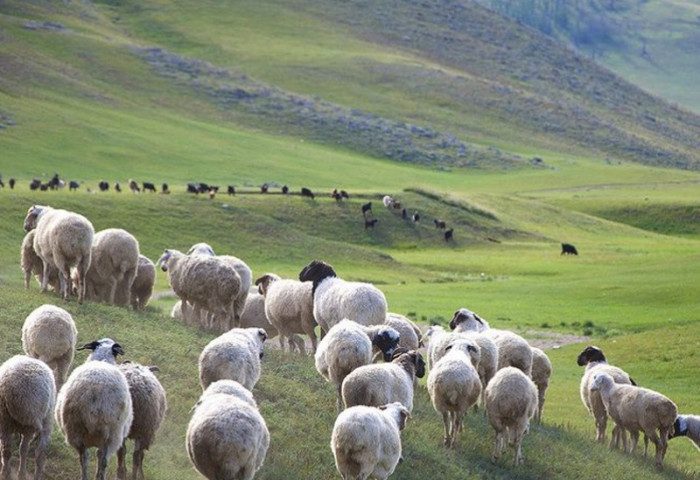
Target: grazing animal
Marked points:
149	186
440	224
164	188
367	207
449	234
117	187
415	217
104	186
202	187
133	186
264	187
11	182
285	190
35	184
192	188
568	249
388	201
687	426
370	222
305	192
212	194
404	214
344	194
231	190
336	195
73	185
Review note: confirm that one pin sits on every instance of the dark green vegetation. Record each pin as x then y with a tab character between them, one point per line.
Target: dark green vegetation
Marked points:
440	104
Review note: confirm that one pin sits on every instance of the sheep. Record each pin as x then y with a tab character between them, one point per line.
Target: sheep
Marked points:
49	334
594	360
449	234
149	404
440	224
142	287
454	387
468	321
541	371
231	190
253	315
336	299
568	249
366	441
415	217
165	189
635	408
409	333
687	426
207	283
235	355
370	222
511	401
32	264
513	350
305	192
63	239
103	186
387	201
27	398
227	438
73	186
289	306
133	186
381	383
117	187
115	261
11	182
94	406
347	346
366	207
148	186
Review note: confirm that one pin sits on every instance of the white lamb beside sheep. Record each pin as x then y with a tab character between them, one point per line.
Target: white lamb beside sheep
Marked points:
63	240
511	401
50	335
27	398
234	355
32	264
94	407
227	438
541	372
115	260
366	441
336	299
142	288
638	409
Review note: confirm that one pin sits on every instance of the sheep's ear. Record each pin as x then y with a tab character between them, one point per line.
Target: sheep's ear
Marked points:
478	319
420	365
471	348
405	415
449	347
117	350
153	368
89	346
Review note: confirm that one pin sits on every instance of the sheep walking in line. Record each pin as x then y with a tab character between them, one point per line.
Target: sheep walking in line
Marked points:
27	398
347	346
511	401
142	288
638	409
289	306
454	387
94	406
149	405
377	384
207	283
234	355
227	438
595	362
687	426
63	240
32	264
336	299
50	335
541	372
115	260
366	441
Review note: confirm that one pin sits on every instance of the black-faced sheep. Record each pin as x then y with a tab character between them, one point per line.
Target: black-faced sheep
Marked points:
231	190
11	183
73	186
103	186
164	189
449	234
687	426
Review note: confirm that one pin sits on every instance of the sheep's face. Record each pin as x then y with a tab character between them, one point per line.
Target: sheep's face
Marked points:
419	363
316	271
401	413
163	260
473	321
264	282
590	354
386	340
31	218
105	349
201	249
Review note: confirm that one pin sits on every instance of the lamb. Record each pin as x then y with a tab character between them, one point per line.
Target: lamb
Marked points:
381	383
541	371
149	405
63	239
115	260
454	387
336	299
32	264
142	287
347	346
94	406
49	334
235	355
595	362
511	400
227	438
635	408
366	441
207	283
27	398
687	426
289	305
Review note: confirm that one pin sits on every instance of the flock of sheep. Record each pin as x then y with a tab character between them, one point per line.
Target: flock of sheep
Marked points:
371	356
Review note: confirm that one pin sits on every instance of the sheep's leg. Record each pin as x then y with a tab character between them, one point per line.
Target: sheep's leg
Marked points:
281	340
601	424
101	465
448	426
6	450
339	399
137	463
27	276
518	434
84	456
81	268
498	445
121	462
634	440
41	449
24	442
456	426
300	344
45	277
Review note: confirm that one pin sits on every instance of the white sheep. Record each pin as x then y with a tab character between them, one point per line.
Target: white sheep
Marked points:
387	201
149	404
483	359
511	401
638	409
377	384
409	332
208	283
347	346
595	362
336	299
253	315
687	426
50	335
454	386
469	321
541	372
94	407
226	438
27	397
234	355
142	288
115	260
289	306
32	264
63	240
366	441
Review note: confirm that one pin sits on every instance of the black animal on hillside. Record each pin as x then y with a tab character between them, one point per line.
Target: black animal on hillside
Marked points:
264	188
336	195
73	185
416	217
148	186
367	207
164	188
11	182
202	188
2	184
440	224
103	186
370	223
54	182
35	184
568	249
305	192
448	234
117	187
404	214
344	194
285	190
192	188
231	190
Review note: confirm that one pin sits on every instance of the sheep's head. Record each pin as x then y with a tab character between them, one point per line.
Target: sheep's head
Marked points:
469	319
105	350
316	271
470	348
401	413
163	260
600	381
386	340
264	282
590	354
201	249
32	216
